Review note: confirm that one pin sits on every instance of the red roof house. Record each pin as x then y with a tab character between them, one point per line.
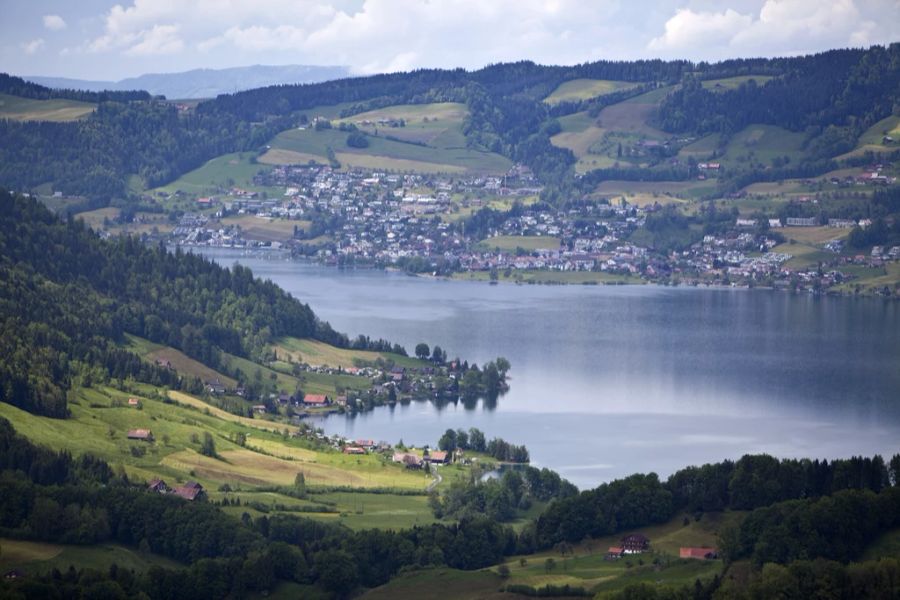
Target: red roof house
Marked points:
698	553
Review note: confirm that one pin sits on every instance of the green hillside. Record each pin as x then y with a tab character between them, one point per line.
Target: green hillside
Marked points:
56	110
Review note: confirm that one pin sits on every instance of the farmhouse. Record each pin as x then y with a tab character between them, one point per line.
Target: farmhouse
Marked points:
215	387
145	435
698	553
158	485
614	553
354	450
316	400
189	491
411	461
438	457
635	543
134	402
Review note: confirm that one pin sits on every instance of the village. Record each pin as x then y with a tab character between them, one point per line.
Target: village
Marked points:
419	223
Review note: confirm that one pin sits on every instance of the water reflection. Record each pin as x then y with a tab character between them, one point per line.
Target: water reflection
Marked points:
606	381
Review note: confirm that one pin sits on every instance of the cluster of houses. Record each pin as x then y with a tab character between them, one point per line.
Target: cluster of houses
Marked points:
637	543
387	219
190	491
414	461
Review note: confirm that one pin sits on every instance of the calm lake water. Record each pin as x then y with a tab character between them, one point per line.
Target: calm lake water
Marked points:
608	381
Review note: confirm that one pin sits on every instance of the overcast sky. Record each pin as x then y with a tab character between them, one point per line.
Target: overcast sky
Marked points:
100	39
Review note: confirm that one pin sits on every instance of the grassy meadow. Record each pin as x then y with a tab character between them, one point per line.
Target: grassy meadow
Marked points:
585	89
732	83
29	109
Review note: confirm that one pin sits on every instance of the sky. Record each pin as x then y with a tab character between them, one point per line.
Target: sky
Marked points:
109	40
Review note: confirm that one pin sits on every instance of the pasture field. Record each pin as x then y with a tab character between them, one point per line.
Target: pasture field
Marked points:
180	362
440	583
689	189
813	235
280	156
579	133
803	255
266	229
314	352
222	172
872	139
732	83
387	154
95	218
39	557
437	124
585	568
701	148
509	243
17	108
585	89
760	145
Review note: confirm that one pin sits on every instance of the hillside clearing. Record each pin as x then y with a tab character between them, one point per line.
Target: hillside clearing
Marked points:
732	83
29	109
585	89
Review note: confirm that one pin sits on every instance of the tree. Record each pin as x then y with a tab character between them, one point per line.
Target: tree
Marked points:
438	355
549	564
337	572
447	443
503	571
208	447
357	139
300	483
422	350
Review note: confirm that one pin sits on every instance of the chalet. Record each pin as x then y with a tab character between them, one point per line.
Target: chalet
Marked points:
316	400
366	443
134	402
341	400
438	457
259	408
635	543
698	553
215	387
409	460
158	485
189	491
614	553
354	450
164	363
144	435
283	398
240	391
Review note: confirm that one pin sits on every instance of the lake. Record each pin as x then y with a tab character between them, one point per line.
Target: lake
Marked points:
611	380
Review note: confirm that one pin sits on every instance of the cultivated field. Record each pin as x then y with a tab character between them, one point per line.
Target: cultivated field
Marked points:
265	229
28	109
585	89
319	353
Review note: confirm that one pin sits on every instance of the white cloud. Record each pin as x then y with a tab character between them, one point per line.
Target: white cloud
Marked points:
54	22
372	35
386	35
160	39
32	46
689	29
780	27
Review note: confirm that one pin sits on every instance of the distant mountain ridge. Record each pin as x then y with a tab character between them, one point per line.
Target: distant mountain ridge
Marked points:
203	83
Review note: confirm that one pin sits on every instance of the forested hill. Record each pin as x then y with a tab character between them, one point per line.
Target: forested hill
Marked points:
67	299
831	97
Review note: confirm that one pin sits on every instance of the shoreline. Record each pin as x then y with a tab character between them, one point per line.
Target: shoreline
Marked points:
467	276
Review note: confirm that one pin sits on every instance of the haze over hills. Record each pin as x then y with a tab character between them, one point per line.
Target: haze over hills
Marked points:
203	83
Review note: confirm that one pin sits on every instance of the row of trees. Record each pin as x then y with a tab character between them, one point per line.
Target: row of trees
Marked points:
752	482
